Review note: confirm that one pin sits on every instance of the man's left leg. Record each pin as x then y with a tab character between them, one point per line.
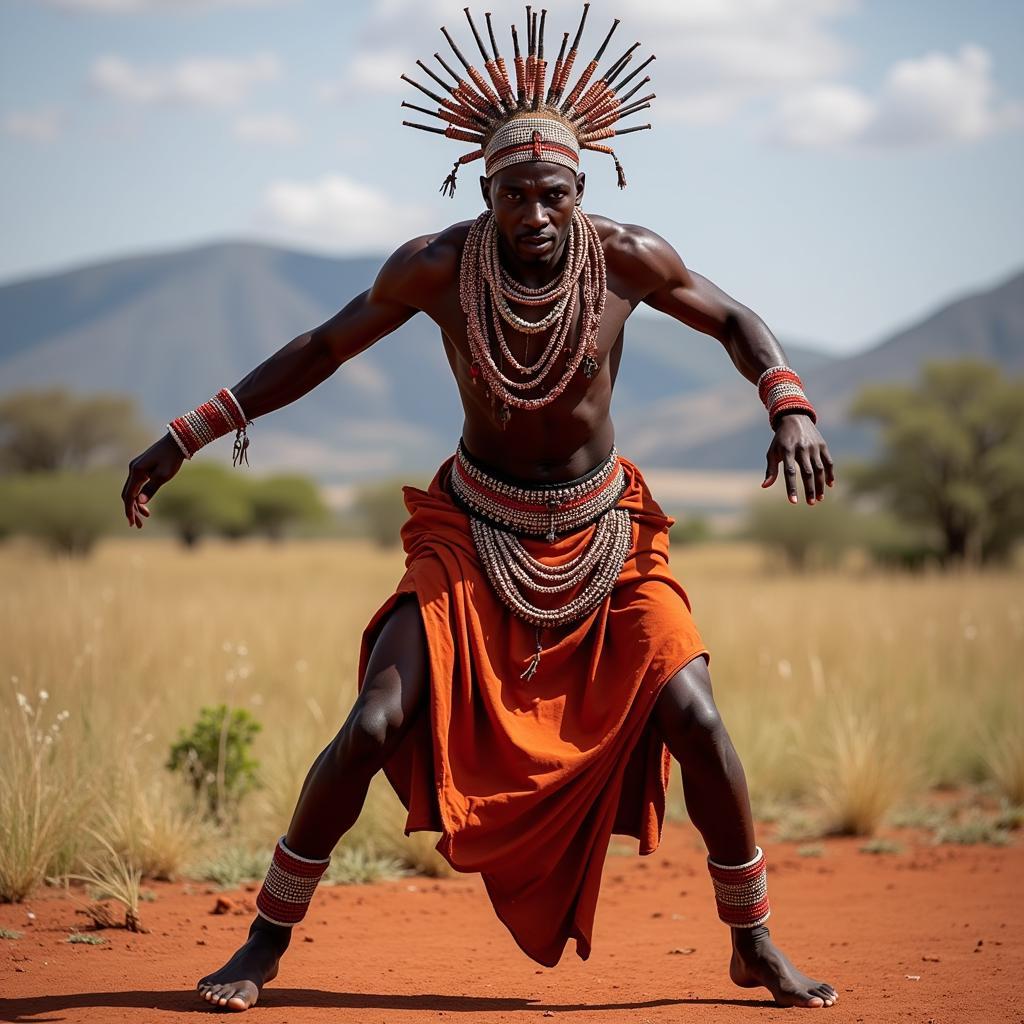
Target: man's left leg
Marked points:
715	790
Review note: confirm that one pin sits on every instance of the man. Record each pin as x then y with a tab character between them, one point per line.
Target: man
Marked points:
524	685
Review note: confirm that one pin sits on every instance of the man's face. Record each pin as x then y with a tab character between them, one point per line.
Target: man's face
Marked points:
532	205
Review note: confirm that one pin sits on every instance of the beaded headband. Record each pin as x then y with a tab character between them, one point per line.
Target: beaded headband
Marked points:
538	120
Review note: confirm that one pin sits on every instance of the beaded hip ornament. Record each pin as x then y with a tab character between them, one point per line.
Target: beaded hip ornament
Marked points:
501	512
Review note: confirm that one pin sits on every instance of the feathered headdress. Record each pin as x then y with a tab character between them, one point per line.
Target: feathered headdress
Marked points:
533	121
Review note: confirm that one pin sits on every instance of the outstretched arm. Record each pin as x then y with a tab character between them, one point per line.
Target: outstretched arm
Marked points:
671	287
302	364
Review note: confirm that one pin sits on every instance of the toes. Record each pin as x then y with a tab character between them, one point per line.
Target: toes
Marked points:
238	1002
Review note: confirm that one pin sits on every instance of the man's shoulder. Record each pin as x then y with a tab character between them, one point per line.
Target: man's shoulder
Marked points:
631	250
430	260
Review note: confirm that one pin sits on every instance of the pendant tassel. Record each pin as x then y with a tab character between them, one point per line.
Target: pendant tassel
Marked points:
534	663
448	186
240	451
621	173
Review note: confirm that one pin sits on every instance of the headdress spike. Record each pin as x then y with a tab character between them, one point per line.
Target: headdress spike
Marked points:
490	33
476	36
636	71
455	49
607	40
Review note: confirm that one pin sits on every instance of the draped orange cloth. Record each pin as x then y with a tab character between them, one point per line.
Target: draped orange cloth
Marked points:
528	779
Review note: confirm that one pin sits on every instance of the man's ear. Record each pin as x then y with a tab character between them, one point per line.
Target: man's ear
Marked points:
581	184
485	189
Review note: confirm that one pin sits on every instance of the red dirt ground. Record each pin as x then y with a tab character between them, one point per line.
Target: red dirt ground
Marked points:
931	934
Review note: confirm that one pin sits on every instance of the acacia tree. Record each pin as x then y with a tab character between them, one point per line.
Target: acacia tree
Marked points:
45	431
952	458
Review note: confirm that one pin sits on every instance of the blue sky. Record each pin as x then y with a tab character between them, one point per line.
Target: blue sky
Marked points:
839	166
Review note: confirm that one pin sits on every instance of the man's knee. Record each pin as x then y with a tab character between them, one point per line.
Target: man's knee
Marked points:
686	708
392	692
376	724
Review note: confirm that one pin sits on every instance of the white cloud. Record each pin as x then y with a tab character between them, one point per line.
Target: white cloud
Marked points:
198	81
341	213
143	6
267	129
377	72
933	99
42	125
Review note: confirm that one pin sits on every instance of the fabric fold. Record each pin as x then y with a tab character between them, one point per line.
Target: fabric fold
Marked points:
527	779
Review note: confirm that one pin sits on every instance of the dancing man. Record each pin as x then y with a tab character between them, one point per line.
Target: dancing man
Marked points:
528	683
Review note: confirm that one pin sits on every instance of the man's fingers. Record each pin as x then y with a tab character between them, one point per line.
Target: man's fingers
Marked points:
130	492
826	458
789	471
819	478
807	475
773	468
153	484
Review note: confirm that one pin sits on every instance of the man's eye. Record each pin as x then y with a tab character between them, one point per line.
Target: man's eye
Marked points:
556	196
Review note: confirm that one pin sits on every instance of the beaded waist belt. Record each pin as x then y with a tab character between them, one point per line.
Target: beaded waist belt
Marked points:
501	512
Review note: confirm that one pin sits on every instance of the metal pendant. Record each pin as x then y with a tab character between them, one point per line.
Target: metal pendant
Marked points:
590	367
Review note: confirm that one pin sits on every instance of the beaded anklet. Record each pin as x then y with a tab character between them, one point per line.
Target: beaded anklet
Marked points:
741	892
289	886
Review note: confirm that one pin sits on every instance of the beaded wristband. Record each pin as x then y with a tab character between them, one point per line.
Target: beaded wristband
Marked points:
219	416
289	886
781	390
741	892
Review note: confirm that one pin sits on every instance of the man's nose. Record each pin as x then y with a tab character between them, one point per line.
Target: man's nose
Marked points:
535	217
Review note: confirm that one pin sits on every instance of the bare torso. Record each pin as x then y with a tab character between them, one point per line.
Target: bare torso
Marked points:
573	433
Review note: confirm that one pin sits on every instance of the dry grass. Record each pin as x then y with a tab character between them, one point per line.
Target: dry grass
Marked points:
845	692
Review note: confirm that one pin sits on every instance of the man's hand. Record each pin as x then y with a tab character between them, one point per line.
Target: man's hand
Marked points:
802	452
147	473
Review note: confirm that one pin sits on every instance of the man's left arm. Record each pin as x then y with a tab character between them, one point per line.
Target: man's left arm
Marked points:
666	284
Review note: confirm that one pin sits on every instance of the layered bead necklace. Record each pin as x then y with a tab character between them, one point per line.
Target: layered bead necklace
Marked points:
486	291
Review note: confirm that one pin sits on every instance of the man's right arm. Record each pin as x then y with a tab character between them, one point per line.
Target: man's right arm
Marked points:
306	361
311	358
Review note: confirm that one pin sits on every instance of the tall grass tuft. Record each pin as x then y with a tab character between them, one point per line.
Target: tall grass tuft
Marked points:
1003	751
111	877
40	799
861	772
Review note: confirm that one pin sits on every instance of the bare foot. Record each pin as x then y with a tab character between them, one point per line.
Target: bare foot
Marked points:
756	960
236	986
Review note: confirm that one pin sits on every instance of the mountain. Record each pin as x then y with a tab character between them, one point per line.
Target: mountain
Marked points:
171	328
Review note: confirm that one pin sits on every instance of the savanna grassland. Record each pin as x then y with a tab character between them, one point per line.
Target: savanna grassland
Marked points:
851	696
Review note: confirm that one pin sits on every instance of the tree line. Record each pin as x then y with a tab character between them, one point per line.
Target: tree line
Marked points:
946	485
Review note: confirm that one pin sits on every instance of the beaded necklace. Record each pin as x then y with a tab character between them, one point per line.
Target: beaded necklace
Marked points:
485	291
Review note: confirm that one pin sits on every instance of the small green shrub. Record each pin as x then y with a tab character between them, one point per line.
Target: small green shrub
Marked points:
214	757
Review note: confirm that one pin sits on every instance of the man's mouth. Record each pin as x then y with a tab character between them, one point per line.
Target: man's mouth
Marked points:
535	241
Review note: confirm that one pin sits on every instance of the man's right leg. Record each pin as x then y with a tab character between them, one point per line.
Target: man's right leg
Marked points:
332	796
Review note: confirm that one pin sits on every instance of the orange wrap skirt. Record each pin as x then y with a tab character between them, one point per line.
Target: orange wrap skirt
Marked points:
526	780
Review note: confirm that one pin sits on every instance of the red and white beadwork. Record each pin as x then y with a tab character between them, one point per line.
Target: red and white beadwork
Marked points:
741	892
781	390
289	886
532	138
484	294
502	512
219	416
